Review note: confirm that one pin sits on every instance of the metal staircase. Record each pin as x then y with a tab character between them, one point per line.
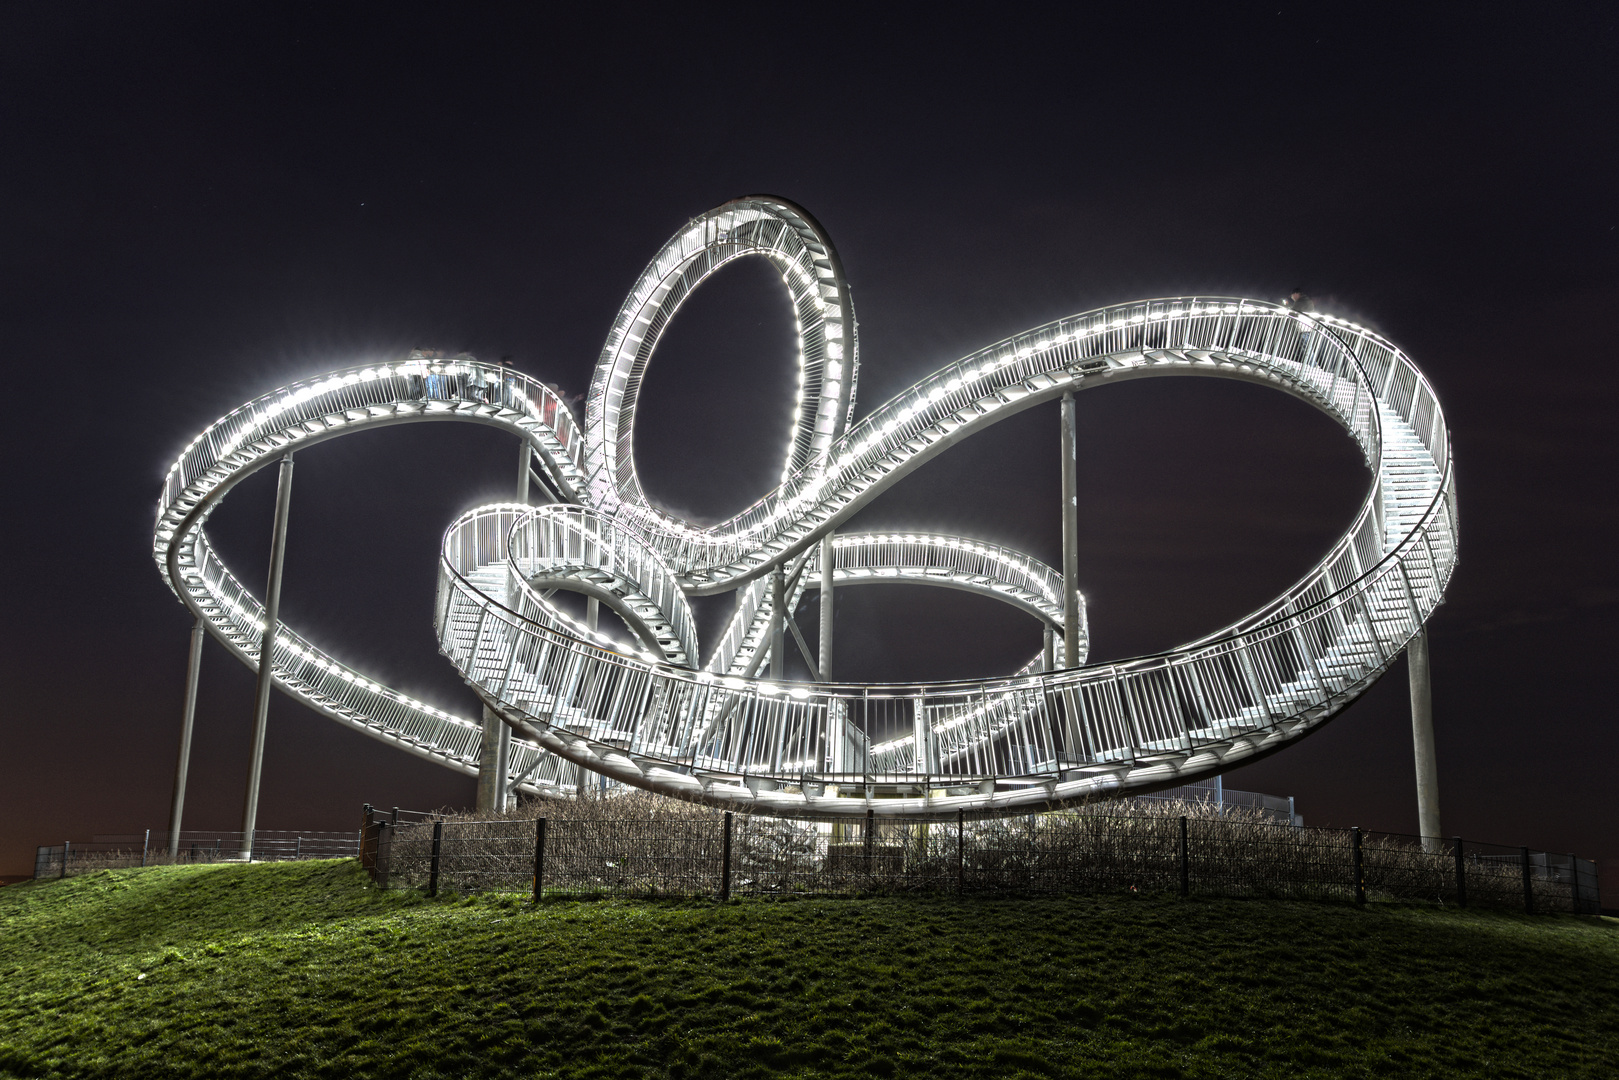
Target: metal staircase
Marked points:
645	714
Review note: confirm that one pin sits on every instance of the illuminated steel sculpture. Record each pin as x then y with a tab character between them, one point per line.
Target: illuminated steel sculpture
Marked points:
656	715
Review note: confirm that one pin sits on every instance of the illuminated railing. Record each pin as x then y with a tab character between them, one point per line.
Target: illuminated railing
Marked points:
1039	738
641	715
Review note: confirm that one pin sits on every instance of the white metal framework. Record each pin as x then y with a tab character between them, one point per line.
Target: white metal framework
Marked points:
650	716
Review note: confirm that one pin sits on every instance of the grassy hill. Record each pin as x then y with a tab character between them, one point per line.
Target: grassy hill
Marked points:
302	969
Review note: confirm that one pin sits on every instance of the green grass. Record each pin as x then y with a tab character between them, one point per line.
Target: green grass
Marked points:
303	970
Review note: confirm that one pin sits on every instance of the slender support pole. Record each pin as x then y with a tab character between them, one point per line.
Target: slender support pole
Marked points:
272	618
593	609
1070	534
193	669
1461	875
778	622
524	453
1048	651
827	558
1416	659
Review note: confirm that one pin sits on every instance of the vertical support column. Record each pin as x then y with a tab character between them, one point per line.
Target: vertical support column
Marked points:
824	661
193	669
1070	533
1416	659
491	774
1048	651
593	610
1461	875
524	452
495	749
272	618
778	621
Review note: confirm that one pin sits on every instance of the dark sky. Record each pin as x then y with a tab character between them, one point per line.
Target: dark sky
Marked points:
199	203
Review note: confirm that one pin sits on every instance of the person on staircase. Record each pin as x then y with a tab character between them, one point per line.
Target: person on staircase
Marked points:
1300	304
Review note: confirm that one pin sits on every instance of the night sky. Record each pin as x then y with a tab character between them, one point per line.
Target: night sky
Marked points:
200	203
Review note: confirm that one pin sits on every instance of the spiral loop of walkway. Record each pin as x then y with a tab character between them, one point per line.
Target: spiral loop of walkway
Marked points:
647	717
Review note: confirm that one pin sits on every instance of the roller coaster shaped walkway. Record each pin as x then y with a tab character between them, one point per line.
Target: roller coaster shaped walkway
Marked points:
651	715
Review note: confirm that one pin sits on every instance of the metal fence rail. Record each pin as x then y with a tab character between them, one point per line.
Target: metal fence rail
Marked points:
725	855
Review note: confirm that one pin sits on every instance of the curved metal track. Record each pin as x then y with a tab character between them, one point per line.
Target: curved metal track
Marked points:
645	717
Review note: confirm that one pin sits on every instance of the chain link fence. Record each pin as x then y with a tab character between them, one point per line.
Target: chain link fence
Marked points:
700	854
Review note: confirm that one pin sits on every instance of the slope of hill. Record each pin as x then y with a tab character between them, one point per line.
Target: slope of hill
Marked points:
303	969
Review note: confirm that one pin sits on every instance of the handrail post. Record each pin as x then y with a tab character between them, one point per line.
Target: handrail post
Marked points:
539	857
1461	875
1528	885
1360	876
725	861
272	616
1186	869
432	869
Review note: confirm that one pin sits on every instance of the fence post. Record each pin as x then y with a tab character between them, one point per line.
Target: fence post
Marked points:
870	823
1360	877
1574	881
1186	867
1528	885
725	864
961	828
539	857
67	844
146	845
298	848
432	870
1461	875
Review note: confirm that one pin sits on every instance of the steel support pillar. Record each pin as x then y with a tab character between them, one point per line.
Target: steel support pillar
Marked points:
778	622
593	609
827	564
1416	660
494	752
193	669
272	618
524	453
1070	534
1048	650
